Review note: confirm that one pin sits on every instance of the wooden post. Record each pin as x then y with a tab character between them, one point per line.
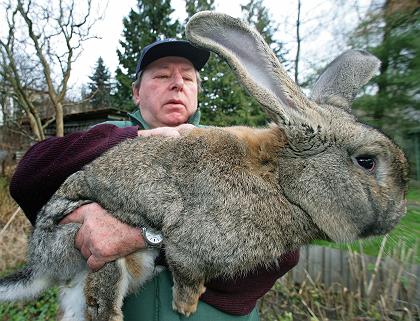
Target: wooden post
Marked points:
417	155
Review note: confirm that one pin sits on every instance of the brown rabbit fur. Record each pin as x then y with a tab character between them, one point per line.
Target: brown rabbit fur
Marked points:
227	200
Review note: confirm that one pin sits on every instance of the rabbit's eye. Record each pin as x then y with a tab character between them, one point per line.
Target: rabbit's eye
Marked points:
367	162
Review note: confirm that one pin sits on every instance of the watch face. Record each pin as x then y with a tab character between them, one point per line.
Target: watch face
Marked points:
153	238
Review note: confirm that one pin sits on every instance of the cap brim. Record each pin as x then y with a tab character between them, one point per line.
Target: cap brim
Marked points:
197	56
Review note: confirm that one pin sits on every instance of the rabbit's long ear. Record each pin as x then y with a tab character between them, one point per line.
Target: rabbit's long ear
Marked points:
253	62
343	78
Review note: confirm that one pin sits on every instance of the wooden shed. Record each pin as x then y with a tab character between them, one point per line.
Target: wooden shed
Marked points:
83	120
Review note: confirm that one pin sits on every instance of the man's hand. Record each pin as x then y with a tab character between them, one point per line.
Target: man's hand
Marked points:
101	237
166	131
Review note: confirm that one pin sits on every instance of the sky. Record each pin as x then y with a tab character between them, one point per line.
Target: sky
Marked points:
110	30
319	44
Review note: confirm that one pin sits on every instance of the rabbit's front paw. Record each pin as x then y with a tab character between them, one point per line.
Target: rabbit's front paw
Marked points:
185	301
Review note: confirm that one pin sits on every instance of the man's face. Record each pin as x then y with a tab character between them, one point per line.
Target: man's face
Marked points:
168	92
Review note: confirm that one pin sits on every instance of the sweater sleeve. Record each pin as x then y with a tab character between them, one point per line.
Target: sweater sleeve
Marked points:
47	164
240	295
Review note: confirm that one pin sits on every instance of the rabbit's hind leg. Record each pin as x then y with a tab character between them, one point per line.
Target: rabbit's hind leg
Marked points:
186	293
104	292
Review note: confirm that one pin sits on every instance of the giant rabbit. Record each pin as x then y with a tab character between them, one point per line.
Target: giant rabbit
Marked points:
226	200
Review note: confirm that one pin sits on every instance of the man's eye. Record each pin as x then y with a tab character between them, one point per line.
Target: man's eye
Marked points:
162	76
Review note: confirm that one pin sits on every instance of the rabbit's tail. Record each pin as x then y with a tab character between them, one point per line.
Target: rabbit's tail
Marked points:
23	285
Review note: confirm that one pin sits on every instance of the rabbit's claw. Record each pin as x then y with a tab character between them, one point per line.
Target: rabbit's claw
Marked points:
186	302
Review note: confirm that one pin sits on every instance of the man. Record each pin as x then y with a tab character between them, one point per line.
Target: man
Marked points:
165	90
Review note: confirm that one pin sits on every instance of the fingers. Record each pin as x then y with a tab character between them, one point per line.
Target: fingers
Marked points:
82	245
169	132
101	237
86	252
77	216
94	263
185	128
166	131
160	131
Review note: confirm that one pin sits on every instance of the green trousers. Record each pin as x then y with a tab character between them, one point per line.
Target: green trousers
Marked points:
154	303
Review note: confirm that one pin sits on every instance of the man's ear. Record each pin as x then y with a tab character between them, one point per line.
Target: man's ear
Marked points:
135	92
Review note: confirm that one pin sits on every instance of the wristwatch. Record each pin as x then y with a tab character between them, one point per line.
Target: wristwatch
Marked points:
151	238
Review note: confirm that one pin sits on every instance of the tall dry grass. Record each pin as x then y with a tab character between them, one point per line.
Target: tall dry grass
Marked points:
383	291
14	228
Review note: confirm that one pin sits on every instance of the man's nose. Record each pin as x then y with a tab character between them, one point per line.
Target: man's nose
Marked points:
177	81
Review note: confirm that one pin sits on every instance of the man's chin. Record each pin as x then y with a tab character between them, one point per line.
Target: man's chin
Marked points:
175	120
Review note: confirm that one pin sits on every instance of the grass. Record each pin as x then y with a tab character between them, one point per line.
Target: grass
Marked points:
414	193
312	301
13	241
14	230
43	309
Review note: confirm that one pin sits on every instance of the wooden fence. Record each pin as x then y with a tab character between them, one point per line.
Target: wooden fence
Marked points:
358	272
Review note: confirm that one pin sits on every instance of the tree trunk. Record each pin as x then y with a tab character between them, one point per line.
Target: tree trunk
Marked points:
59	121
378	113
298	40
36	126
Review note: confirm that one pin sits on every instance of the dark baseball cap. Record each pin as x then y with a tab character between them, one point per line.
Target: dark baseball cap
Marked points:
172	47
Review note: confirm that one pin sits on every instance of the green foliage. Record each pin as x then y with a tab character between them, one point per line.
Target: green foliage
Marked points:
193	6
256	14
142	27
3	182
413	194
391	33
224	101
100	86
43	309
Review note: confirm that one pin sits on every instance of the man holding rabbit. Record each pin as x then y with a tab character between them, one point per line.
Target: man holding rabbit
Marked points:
165	90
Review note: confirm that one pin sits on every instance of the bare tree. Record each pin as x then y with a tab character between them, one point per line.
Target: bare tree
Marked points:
298	41
43	41
321	30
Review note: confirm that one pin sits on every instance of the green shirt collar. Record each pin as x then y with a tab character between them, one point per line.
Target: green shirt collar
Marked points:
138	119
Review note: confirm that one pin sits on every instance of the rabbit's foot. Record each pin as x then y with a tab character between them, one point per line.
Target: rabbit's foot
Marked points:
92	308
185	297
103	294
96	313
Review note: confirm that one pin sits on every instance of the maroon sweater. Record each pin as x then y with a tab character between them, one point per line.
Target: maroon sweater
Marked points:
47	164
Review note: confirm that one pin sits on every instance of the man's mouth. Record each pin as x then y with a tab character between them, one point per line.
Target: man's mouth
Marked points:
175	102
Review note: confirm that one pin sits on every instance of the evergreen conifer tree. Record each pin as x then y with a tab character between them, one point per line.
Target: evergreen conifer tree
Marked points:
256	14
100	86
391	32
223	100
193	6
150	22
